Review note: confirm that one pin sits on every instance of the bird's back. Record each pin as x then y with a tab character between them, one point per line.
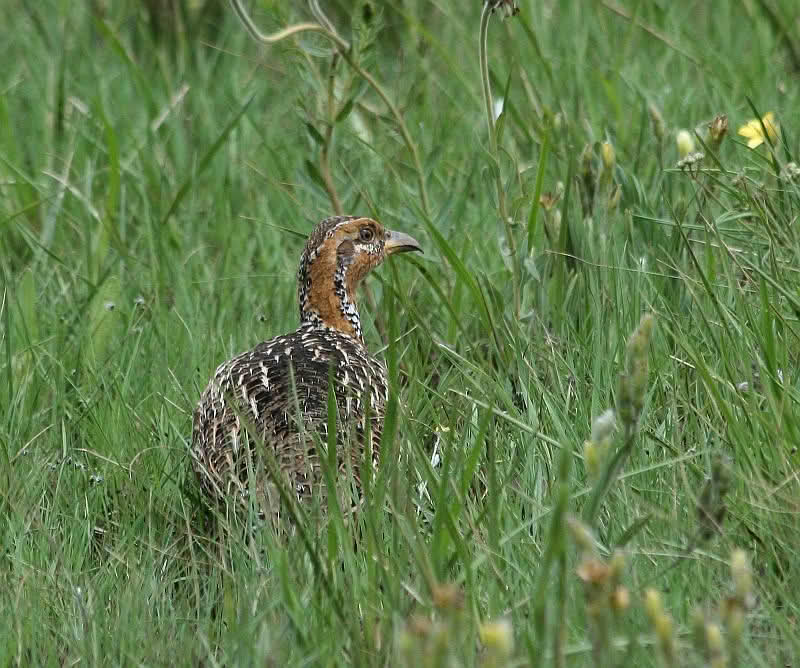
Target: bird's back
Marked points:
275	396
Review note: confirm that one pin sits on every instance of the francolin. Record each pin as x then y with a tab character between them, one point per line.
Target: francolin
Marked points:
275	396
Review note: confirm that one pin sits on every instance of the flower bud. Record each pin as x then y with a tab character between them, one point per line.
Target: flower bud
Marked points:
591	457
685	143
717	130
714	638
617	563
662	623
715	646
620	599
609	155
593	571
652	603
497	637
742	577
698	629
447	596
735	623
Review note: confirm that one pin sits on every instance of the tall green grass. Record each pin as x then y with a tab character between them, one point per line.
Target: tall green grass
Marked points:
157	178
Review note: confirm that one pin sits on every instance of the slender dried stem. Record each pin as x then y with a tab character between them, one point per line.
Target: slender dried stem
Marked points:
501	195
324	161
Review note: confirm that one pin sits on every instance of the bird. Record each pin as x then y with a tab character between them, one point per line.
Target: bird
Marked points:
275	396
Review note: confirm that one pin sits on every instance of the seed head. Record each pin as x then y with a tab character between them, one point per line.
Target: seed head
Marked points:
691	161
791	172
633	383
603	426
662	623
659	127
507	7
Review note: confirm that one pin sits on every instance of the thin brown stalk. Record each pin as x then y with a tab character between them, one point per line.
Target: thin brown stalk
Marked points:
324	161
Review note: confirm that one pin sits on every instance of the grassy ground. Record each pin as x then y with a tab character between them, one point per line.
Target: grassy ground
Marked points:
154	177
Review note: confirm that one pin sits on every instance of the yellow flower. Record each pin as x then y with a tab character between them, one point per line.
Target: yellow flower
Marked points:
754	130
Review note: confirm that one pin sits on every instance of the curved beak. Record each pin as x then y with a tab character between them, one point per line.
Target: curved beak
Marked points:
399	242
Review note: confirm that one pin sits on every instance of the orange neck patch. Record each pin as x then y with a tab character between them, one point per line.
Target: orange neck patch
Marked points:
334	304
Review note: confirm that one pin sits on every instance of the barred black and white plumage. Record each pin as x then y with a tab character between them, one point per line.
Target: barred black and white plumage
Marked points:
280	387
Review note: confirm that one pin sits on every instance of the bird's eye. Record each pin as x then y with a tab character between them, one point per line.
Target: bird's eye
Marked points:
366	234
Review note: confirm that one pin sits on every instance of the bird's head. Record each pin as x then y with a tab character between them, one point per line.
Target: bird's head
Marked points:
340	252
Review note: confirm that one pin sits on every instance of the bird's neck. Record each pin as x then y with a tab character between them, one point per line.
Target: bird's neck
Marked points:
327	292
